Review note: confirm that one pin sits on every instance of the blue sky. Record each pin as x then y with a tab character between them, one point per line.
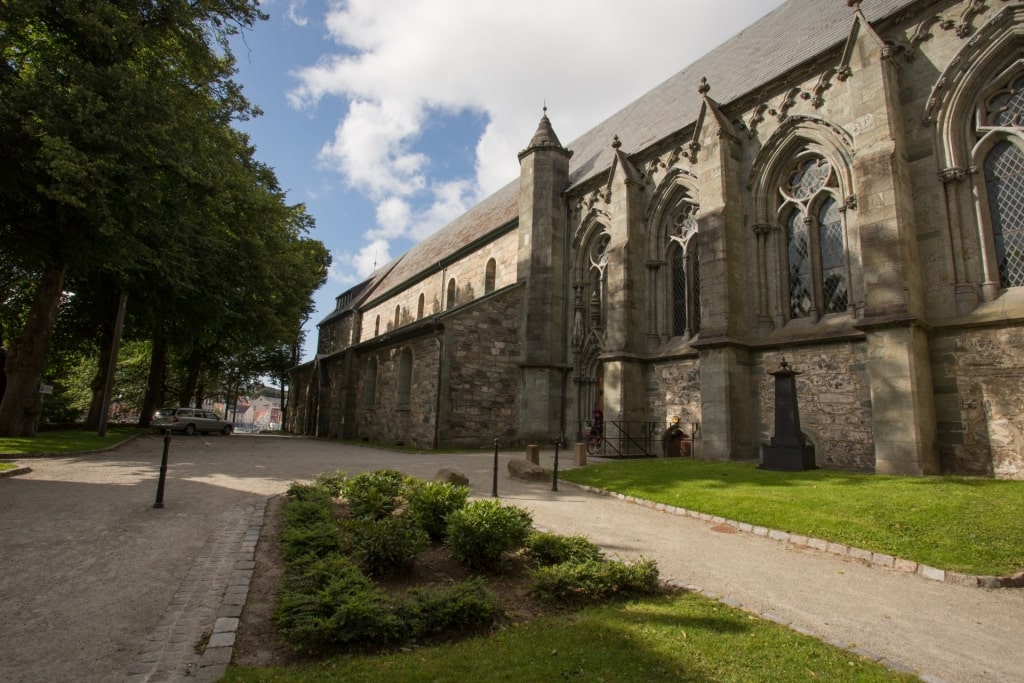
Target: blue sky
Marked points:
389	118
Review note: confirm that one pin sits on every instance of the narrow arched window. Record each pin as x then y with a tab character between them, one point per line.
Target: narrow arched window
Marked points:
833	257
398	315
685	277
450	297
1004	182
420	306
679	290
405	379
376	327
798	251
489	273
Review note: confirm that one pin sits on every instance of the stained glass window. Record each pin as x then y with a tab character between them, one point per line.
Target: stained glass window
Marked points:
800	297
833	258
1004	178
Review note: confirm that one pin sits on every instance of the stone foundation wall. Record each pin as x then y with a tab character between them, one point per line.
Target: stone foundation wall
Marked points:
388	420
979	405
834	401
673	389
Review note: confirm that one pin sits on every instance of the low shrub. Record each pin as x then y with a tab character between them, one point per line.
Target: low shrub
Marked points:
387	545
374	494
479	534
458	608
548	549
331	603
331	482
432	502
310	528
592	581
316	539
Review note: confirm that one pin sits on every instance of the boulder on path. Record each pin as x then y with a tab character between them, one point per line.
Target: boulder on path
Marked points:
452	477
526	470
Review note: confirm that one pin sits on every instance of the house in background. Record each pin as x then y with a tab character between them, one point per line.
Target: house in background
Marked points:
840	185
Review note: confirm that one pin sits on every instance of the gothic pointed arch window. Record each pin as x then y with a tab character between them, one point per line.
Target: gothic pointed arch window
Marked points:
598	278
421	304
684	272
999	157
816	271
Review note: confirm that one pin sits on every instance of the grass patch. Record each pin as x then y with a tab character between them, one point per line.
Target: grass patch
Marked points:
67	441
685	637
4	466
962	524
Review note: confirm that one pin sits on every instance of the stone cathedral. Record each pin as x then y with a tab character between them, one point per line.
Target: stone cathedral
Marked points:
840	186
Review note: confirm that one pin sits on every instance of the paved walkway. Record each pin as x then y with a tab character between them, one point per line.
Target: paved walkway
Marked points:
99	586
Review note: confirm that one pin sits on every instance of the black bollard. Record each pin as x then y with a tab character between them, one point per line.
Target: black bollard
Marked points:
494	486
163	471
554	477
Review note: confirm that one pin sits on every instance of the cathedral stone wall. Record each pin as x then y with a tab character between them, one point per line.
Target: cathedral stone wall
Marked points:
856	211
833	397
480	402
979	403
468	273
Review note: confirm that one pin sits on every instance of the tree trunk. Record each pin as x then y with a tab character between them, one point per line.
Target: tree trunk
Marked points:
99	380
26	358
155	386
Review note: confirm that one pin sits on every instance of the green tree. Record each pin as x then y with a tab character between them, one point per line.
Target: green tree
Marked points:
106	108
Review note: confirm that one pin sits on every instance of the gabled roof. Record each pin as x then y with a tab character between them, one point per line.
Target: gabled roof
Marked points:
792	34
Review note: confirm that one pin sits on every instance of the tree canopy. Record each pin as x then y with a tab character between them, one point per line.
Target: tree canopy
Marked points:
124	173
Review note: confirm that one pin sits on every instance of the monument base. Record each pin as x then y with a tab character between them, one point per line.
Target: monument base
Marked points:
787	458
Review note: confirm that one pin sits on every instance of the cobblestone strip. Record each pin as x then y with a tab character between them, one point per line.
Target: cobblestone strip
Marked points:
195	637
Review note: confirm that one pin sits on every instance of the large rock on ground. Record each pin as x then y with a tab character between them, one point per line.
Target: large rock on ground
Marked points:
526	470
452	477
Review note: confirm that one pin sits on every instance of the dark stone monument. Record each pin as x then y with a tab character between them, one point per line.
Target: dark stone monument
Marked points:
788	449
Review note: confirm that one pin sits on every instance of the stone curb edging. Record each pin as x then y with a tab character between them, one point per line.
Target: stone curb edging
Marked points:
15	472
874	559
195	639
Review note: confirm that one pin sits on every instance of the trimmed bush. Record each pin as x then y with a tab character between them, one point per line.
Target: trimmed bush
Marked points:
387	545
331	482
310	528
548	549
482	532
592	581
459	608
374	494
432	502
332	603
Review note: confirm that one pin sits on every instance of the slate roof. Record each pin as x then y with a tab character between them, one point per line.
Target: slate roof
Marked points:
781	41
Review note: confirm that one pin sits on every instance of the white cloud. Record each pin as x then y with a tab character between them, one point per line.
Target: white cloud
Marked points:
398	63
294	12
349	268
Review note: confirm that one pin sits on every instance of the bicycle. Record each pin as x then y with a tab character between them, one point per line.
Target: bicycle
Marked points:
594	439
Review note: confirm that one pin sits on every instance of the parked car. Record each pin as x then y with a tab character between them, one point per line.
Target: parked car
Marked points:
190	421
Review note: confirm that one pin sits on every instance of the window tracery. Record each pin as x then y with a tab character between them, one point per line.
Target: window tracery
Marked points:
684	271
816	264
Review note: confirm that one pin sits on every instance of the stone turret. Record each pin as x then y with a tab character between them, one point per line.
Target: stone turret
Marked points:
543	175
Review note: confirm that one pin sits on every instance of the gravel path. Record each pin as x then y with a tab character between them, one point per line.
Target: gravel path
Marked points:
98	585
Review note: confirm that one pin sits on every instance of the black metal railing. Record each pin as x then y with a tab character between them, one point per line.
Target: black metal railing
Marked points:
622	439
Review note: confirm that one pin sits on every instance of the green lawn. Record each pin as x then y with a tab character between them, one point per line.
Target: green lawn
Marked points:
962	524
66	441
7	466
682	638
